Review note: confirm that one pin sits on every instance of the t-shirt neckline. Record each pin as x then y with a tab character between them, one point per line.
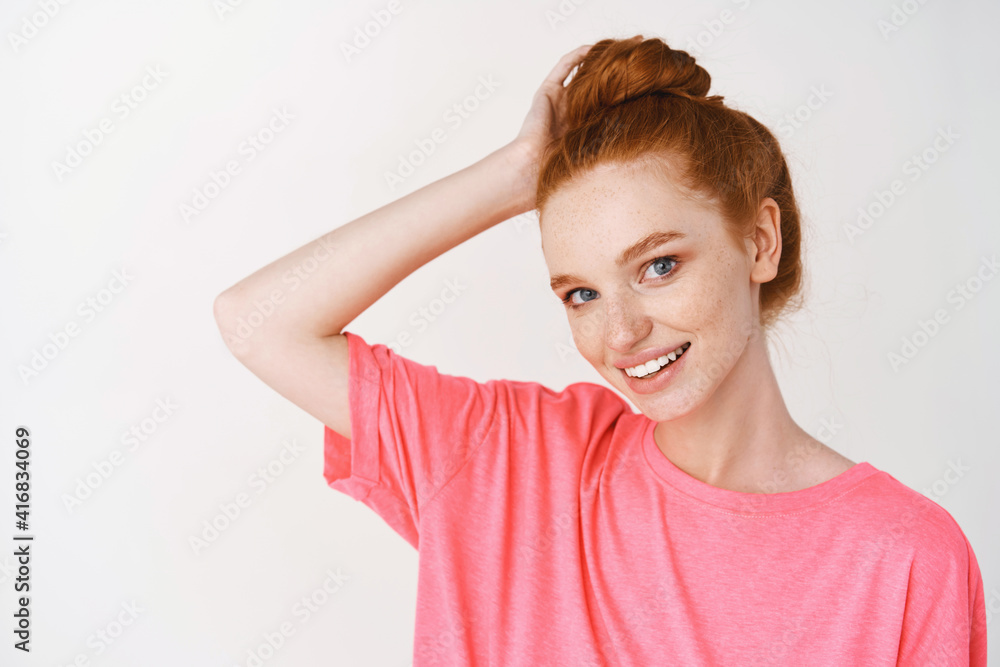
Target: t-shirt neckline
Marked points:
747	503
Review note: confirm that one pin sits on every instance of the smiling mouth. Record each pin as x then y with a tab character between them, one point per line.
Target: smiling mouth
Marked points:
654	366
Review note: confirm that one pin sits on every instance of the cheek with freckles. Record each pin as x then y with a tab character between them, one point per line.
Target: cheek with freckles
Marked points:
588	334
725	322
719	292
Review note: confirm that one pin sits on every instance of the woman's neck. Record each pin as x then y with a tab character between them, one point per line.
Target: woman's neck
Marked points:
743	437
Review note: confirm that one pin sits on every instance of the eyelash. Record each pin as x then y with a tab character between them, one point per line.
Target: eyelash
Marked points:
673	260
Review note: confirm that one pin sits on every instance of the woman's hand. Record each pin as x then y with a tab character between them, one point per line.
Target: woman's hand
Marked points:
544	122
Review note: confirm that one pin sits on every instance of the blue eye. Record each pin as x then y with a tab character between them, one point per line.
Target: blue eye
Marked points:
664	266
660	261
569	296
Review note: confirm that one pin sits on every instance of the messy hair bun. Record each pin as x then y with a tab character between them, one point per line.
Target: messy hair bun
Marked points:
635	100
614	72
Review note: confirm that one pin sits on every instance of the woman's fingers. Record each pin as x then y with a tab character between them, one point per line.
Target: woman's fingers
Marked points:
566	64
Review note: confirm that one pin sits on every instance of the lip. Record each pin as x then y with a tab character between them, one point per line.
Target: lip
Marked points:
646	355
658	381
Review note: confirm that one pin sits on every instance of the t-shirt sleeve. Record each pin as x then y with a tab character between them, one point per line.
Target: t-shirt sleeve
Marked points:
944	621
412	430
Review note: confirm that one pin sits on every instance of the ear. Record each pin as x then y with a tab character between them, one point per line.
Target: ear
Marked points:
766	247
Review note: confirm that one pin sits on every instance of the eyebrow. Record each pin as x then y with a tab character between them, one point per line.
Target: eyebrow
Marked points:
628	255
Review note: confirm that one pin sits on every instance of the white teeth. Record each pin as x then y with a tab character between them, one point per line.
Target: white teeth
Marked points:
654	365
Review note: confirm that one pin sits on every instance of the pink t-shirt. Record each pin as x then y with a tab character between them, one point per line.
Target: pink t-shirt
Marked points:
553	531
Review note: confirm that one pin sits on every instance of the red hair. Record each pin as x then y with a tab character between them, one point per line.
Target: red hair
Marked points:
637	101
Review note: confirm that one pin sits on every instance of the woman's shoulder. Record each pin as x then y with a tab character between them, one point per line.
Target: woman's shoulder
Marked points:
527	408
574	392
578	409
899	517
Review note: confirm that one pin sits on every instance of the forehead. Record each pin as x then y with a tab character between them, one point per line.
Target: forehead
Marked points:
612	205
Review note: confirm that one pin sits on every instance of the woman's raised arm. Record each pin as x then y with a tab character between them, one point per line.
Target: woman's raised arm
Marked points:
294	341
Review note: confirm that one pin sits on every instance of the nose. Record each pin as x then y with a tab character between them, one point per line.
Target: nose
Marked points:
625	322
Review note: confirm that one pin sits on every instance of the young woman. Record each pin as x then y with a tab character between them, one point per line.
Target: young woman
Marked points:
562	528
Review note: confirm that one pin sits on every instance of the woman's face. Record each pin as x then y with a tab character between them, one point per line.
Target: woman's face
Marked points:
647	270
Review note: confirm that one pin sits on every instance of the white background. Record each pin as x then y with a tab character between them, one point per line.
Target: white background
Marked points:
61	240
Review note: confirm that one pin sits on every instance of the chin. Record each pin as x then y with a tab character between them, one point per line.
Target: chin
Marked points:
662	408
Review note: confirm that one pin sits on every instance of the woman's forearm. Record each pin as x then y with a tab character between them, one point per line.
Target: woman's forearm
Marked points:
319	288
